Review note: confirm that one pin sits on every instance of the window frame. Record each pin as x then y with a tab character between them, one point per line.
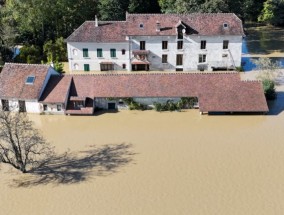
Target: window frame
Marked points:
113	53
100	53
85	52
164	58
203	44
179	59
202	58
30	80
142	45
226	44
86	67
180	44
165	45
59	107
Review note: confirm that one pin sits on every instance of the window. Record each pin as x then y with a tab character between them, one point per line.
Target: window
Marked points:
142	45
30	80
180	32
86	67
76	66
44	107
179	59
59	107
225	25
113	53
203	44
164	45
107	67
124	66
141	25
225	44
85	53
99	52
202	58
164	58
75	52
180	45
123	51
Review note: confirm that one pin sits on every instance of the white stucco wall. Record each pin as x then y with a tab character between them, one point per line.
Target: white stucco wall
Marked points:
191	50
52	108
93	60
33	107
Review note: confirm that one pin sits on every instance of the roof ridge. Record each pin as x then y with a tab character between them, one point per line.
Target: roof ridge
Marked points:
154	74
28	64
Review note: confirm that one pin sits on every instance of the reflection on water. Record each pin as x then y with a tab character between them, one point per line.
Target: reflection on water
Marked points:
263	41
249	65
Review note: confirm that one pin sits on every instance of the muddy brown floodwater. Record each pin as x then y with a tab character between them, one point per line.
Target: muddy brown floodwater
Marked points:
152	163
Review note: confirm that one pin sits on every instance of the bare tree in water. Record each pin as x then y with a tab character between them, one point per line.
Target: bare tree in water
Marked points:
21	145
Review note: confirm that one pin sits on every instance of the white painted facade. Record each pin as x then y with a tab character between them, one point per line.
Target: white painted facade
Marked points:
31	106
77	61
216	56
58	108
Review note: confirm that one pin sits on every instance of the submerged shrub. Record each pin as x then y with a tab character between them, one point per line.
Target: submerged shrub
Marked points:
269	89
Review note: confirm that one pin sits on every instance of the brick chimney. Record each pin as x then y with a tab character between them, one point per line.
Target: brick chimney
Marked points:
96	21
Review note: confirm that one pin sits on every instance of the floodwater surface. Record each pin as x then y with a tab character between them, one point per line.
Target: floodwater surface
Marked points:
262	41
135	162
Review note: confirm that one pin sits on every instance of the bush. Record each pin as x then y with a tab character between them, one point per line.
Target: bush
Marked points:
269	89
240	69
29	54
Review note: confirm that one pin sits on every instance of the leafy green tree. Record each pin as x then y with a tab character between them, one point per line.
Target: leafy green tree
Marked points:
273	12
29	54
144	6
55	51
113	9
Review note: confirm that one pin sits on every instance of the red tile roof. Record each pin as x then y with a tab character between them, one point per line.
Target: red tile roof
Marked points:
13	81
216	91
105	32
56	90
209	24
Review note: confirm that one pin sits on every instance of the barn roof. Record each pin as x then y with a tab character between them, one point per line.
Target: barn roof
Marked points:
22	81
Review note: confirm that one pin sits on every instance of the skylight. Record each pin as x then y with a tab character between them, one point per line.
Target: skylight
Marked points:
30	80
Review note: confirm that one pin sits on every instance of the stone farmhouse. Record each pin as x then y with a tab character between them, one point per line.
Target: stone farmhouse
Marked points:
40	89
158	42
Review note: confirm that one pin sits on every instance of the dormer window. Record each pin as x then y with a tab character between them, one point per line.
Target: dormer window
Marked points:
141	25
225	25
180	31
30	80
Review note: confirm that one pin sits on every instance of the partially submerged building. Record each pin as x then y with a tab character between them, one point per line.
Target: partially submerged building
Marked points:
22	85
158	42
49	92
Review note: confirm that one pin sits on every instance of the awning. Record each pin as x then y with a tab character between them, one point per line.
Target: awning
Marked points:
135	61
107	63
140	63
